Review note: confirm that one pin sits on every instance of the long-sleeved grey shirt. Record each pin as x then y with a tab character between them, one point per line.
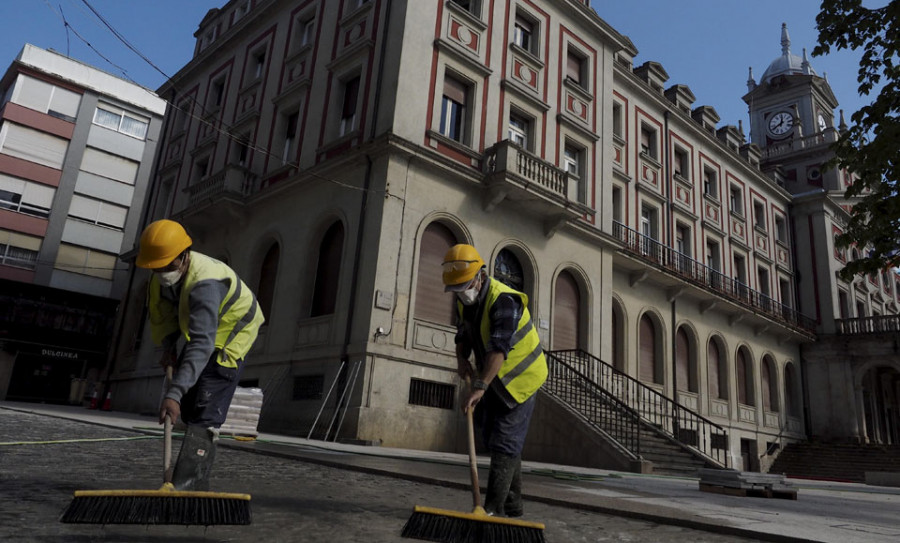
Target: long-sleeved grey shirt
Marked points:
204	301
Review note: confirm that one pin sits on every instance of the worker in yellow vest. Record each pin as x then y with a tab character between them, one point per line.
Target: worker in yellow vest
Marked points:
493	322
199	300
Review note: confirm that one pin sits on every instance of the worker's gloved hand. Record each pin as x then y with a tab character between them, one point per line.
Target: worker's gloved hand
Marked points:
171	408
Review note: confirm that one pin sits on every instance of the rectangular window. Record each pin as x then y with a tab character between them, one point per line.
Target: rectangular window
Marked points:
304	36
241	151
98	212
25	197
575	69
522	33
472	6
762	280
617	204
780	229
712	255
121	121
290	134
349	105
649	231
648	141
217	94
736	200
519	127
617	120
201	170
681	164
32	145
258	64
710	183
759	215
84	261
572	161
683	240
19	250
453	109
46	98
109	166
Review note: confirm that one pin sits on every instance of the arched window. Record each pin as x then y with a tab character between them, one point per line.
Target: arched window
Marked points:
684	373
744	378
791	397
718	375
618	337
328	270
648	369
432	303
268	272
508	270
566	310
769	385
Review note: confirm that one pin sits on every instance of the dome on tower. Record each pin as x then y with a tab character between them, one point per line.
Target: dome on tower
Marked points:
787	63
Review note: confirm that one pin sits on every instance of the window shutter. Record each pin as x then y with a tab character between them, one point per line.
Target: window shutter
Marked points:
712	365
455	90
432	303
33	145
328	271
742	378
573	68
565	313
789	405
647	350
682	360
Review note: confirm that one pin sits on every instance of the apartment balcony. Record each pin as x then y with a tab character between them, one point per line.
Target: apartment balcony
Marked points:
812	142
680	266
534	185
882	324
227	190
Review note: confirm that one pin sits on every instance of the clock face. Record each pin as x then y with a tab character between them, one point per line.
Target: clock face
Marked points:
781	123
822	124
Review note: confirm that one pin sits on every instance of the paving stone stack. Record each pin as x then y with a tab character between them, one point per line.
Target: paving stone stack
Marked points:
243	415
836	461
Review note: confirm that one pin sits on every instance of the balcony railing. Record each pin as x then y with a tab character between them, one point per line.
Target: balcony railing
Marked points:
232	180
671	261
868	325
808	142
505	156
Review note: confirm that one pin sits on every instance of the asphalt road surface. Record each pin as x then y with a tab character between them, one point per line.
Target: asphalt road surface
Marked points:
292	500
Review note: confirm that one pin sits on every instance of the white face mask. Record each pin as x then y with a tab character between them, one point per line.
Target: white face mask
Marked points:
168	279
468	296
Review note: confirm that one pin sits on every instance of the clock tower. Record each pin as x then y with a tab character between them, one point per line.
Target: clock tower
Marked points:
792	120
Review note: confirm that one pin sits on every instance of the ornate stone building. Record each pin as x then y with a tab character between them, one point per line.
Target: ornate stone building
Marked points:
332	151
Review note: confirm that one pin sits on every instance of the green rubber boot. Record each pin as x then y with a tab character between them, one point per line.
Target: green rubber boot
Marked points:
500	478
195	461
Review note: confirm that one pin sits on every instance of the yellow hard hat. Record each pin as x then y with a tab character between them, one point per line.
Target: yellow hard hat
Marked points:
461	264
161	243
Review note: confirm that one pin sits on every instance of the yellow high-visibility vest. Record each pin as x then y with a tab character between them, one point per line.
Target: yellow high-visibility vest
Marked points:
239	315
525	368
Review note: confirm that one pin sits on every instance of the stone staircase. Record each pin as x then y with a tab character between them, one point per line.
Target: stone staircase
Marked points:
836	461
669	457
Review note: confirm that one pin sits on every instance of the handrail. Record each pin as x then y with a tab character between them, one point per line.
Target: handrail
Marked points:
868	325
672	261
673	419
602	410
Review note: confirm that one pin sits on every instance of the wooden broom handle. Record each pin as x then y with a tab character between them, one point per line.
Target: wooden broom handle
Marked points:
473	465
167	455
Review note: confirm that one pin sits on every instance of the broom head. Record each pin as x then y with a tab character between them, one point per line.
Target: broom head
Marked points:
444	526
164	506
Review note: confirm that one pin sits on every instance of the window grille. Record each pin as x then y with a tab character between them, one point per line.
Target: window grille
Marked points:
431	394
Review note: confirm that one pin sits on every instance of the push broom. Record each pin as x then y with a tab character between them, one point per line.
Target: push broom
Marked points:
163	506
447	526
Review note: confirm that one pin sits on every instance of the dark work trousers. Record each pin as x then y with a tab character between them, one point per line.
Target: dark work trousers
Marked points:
503	429
206	403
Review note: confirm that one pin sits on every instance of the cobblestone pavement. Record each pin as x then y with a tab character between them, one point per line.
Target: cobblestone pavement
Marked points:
292	500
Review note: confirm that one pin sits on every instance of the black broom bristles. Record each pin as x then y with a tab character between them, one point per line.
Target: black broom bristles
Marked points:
163	507
464	528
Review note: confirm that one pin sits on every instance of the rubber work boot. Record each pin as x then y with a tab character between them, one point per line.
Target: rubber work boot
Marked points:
195	461
500	478
513	506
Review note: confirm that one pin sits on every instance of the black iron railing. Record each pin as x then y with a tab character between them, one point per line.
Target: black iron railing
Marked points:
670	260
602	409
673	419
868	325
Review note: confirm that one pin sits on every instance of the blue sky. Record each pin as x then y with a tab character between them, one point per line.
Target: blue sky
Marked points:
705	44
